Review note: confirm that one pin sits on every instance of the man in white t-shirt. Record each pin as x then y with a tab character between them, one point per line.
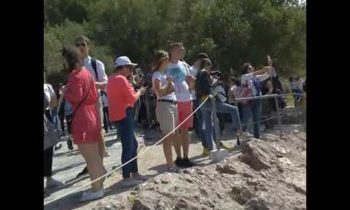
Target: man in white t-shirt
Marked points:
97	70
178	71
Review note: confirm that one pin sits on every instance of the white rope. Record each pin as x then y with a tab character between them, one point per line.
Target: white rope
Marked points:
139	155
267	96
148	148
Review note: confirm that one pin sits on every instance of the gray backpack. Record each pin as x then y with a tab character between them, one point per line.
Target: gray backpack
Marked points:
51	136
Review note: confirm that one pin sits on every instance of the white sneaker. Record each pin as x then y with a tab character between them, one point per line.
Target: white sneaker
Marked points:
53	183
129	182
89	195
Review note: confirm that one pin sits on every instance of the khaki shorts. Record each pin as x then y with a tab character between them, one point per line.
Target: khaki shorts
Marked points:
167	116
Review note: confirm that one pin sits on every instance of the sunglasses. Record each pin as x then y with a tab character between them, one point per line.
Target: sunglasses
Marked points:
80	44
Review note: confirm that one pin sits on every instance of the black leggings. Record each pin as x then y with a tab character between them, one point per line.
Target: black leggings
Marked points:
48	156
69	123
61	117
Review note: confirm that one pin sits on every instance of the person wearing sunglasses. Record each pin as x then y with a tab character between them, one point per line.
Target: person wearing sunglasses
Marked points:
97	71
166	110
121	100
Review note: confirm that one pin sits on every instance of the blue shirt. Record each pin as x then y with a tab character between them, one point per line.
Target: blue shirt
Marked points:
179	72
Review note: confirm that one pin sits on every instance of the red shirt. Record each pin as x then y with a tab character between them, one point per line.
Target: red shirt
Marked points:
86	127
121	95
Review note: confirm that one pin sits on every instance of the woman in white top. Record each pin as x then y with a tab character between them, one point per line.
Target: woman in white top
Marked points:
166	110
252	79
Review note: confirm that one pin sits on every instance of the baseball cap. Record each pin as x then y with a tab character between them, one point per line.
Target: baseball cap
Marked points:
123	61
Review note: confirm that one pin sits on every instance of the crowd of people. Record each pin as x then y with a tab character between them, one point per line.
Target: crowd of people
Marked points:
166	96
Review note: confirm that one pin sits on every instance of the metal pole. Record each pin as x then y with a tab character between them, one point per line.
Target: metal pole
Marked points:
278	115
216	122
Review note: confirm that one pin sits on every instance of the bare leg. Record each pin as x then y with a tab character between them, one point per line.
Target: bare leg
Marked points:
177	144
185	141
168	153
90	152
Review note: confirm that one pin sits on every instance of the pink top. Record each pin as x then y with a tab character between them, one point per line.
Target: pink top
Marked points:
85	124
121	95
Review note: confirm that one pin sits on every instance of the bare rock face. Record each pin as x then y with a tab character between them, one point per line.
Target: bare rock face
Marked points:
293	116
269	174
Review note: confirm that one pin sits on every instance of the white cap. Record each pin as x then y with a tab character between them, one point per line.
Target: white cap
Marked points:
123	61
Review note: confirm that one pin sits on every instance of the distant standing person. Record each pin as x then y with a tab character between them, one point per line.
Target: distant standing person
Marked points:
121	100
197	120
81	93
48	153
252	80
97	70
166	110
179	72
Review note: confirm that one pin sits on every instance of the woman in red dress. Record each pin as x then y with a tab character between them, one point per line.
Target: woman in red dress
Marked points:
81	93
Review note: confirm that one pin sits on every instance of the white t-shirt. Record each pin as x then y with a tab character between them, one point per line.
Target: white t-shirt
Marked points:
100	69
193	72
247	79
49	93
162	78
273	72
178	71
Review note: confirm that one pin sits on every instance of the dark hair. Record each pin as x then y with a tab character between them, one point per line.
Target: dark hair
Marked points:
203	83
119	68
235	80
158	58
82	39
72	56
225	79
245	67
202	55
204	63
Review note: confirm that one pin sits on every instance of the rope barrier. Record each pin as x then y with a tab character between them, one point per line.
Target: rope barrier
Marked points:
139	155
156	143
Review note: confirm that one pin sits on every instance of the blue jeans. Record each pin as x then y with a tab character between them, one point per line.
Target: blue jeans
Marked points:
208	121
252	109
54	114
198	121
297	96
126	128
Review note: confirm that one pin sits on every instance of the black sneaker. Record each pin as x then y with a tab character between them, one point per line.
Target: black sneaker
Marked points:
179	162
187	163
69	144
83	172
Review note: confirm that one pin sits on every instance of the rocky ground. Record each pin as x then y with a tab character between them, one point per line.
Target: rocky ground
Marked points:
261	174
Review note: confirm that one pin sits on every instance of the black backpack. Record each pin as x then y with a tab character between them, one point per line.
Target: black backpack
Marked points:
94	66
